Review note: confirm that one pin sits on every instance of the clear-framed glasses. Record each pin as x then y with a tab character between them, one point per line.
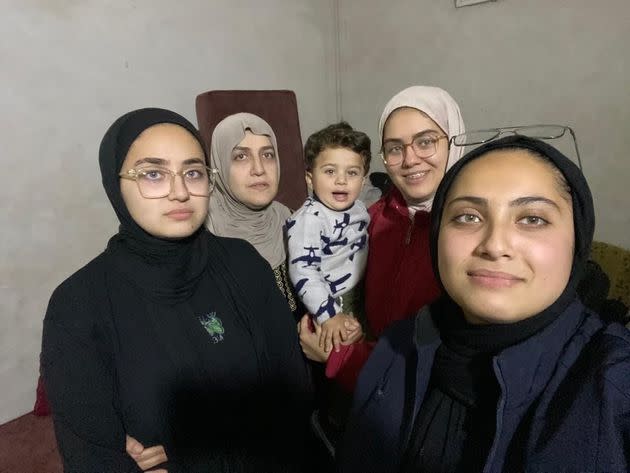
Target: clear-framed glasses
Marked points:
423	145
541	132
156	182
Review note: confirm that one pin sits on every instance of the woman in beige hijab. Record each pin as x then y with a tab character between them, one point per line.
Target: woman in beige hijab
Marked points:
244	151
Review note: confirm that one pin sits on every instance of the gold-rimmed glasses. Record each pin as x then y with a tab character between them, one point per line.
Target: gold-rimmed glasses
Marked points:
424	145
156	182
541	132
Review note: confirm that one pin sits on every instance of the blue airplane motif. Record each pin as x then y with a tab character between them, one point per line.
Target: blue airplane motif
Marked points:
300	284
326	249
287	226
309	259
341	225
359	245
328	306
333	284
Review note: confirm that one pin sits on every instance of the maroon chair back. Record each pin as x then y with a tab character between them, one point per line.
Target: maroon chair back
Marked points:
279	109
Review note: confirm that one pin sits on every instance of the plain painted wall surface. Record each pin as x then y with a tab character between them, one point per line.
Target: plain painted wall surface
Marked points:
508	62
69	68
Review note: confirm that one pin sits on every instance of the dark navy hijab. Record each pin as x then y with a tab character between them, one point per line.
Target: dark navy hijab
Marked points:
167	270
495	336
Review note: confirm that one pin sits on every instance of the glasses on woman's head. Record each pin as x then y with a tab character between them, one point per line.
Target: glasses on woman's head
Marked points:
424	145
157	182
541	132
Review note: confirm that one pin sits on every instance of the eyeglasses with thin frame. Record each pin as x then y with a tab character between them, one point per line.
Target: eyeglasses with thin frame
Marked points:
423	145
157	182
541	132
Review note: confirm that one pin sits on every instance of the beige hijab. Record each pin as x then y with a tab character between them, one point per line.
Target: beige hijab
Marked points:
227	216
441	108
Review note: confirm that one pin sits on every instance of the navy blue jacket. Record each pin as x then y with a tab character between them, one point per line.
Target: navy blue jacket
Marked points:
564	404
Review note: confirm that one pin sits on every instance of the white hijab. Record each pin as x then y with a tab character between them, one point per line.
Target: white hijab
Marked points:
227	216
441	108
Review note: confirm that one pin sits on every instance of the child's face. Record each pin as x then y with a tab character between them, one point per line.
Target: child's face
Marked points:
337	177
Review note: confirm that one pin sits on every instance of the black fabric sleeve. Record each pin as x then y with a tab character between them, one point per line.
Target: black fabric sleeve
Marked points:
292	398
285	359
289	396
79	380
285	352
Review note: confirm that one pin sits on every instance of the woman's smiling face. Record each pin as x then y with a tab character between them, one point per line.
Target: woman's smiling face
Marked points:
506	241
416	178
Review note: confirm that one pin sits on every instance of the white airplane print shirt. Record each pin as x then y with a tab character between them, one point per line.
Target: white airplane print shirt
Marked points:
327	254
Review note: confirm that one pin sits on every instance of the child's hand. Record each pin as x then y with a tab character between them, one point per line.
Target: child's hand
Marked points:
336	330
331	334
353	334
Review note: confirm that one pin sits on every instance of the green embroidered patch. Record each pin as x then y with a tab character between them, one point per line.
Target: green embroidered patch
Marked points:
213	326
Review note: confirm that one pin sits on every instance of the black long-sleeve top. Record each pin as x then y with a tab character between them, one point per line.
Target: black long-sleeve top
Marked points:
188	377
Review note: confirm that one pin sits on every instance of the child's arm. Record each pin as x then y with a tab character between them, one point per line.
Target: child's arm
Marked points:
303	244
336	330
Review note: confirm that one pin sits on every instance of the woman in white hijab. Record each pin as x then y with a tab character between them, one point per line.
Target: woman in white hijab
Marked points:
244	151
415	129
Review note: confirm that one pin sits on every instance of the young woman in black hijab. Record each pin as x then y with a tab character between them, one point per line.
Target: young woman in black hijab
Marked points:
508	371
172	335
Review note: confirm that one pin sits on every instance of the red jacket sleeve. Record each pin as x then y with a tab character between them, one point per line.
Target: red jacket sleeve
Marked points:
344	366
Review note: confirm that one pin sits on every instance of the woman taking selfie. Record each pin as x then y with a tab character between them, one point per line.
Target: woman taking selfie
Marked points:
508	371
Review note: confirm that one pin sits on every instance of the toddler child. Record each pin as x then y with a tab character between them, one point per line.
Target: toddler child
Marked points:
327	237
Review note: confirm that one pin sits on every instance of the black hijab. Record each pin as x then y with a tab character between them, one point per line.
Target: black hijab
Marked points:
584	226
167	270
454	427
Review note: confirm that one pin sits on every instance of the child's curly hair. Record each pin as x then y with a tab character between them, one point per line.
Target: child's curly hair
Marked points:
338	135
